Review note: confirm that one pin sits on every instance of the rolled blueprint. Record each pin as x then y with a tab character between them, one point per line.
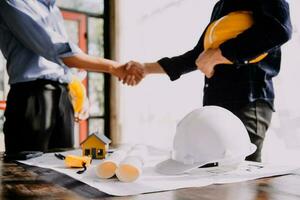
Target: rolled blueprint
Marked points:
130	169
107	168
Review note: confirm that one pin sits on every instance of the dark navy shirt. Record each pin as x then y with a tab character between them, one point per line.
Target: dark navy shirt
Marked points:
234	86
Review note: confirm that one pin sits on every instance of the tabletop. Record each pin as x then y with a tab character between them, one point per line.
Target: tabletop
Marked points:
20	181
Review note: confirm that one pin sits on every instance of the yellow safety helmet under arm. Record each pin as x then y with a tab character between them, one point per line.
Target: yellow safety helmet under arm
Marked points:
228	27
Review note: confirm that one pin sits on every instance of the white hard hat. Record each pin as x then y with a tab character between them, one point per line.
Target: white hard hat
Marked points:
207	135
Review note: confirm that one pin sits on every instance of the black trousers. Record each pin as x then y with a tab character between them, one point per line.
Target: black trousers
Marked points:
256	117
39	116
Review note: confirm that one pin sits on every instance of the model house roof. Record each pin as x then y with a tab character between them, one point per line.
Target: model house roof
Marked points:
101	137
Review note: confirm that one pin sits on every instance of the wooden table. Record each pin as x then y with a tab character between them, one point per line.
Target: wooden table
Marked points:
23	182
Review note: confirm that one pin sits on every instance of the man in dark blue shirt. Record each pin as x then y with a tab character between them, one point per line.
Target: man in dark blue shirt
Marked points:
231	80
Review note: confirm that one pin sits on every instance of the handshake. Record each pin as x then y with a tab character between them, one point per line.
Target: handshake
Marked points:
131	73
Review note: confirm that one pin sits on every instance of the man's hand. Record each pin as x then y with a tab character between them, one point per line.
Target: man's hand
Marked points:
208	59
119	71
135	72
130	73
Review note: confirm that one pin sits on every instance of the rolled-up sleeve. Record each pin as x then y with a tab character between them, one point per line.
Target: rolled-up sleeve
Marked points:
182	64
69	49
31	33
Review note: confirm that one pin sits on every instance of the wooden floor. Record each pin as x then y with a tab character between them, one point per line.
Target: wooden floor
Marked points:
24	182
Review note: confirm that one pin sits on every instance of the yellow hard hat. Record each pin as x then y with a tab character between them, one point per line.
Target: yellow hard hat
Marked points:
78	93
228	27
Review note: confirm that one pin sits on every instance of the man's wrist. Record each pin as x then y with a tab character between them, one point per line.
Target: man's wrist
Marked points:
153	68
147	68
221	59
113	67
112	70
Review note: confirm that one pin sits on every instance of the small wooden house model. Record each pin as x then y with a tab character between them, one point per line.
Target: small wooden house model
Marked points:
95	145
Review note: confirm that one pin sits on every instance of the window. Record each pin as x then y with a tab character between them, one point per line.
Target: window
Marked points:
100	152
2	77
96	29
3	84
92	6
87	152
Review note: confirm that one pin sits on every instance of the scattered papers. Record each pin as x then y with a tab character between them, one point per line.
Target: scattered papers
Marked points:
151	181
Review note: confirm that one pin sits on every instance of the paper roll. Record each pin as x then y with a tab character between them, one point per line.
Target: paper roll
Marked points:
107	168
130	169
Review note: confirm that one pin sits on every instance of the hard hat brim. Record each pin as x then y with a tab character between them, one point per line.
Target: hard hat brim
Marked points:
173	167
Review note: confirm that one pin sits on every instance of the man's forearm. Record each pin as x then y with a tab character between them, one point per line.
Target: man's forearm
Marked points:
153	68
90	63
